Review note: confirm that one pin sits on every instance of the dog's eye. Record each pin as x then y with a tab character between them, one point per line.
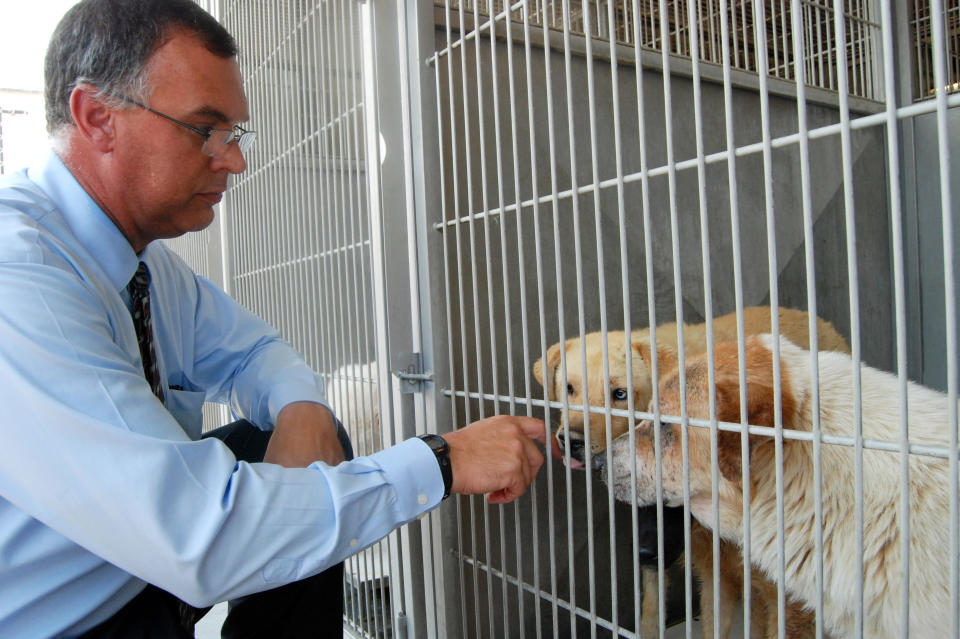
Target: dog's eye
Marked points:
620	394
569	389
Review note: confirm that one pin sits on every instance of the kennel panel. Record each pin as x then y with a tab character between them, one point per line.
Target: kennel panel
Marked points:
571	203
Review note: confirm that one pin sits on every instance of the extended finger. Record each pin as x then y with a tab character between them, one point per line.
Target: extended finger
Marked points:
537	429
534	459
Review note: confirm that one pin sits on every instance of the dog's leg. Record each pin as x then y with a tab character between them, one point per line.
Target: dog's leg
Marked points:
650	606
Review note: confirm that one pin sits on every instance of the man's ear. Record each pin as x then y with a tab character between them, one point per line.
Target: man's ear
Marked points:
666	358
94	120
542	372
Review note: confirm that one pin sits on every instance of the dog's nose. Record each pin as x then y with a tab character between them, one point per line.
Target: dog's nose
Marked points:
599	461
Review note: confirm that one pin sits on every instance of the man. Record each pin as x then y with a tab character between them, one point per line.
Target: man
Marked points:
113	509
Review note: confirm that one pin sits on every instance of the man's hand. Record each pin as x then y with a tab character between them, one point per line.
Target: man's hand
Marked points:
498	456
305	432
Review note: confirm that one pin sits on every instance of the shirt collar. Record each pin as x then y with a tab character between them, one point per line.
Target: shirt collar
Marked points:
93	229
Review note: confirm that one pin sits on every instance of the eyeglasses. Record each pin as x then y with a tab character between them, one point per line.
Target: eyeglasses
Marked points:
217	140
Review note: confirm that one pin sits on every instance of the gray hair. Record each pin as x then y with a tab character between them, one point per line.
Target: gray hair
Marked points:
107	43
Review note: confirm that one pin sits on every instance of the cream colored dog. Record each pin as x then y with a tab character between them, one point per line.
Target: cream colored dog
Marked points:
794	324
929	591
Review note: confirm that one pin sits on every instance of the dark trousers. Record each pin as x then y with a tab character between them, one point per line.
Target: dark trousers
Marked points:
312	607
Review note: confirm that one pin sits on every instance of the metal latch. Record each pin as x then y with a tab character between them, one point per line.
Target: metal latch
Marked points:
409	370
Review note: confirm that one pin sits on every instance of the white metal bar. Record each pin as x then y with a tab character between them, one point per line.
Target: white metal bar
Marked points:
941	86
541	310
738	300
494	366
760	44
813	344
678	303
692	11
854	289
877	119
445	235
941	452
625	301
560	310
463	332
523	299
605	353
474	267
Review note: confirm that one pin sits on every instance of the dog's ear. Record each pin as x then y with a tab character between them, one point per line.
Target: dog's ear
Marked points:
545	373
666	358
761	411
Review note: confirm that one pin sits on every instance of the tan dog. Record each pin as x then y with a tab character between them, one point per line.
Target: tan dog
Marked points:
929	483
794	324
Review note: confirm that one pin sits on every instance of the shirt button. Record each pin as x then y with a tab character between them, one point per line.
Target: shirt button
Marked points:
422	499
353	543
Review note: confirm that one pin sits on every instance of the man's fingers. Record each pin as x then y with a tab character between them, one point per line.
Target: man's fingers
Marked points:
536	429
534	459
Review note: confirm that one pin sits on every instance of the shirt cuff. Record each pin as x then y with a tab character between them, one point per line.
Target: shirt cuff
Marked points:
412	467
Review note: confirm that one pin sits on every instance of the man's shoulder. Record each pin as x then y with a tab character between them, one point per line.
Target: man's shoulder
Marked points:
23	208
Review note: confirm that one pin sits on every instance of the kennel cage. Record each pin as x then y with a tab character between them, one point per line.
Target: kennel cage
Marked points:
442	190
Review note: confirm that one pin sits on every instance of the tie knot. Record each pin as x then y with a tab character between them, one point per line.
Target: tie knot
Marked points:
140	281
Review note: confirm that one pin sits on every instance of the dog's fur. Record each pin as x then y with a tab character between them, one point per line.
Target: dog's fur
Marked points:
929	590
794	324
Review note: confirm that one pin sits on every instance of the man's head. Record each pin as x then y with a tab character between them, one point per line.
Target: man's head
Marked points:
106	44
133	88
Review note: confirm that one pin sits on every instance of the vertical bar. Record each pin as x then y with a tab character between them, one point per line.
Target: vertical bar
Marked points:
738	299
811	276
893	170
575	203
678	302
761	53
708	309
475	285
605	353
444	227
940	82
517	198
627	324
541	303
501	511
852	274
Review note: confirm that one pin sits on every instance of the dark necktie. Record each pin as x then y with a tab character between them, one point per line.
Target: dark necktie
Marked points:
139	288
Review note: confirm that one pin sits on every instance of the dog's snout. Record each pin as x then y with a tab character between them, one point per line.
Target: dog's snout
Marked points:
599	461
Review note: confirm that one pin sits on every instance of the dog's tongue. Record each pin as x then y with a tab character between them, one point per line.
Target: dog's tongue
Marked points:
574	463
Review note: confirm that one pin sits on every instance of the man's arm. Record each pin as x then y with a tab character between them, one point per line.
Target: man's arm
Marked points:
305	432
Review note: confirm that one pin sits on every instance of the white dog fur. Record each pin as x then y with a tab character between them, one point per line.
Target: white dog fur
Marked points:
929	590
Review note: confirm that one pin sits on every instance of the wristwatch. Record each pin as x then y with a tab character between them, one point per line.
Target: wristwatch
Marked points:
441	449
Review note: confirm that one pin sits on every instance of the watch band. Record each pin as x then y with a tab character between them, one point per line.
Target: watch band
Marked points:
441	449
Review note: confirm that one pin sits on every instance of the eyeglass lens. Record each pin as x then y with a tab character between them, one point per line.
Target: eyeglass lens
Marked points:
218	141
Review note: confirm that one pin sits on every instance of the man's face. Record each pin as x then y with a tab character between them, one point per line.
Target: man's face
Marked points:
166	185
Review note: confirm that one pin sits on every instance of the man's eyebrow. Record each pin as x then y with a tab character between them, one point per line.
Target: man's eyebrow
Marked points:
210	112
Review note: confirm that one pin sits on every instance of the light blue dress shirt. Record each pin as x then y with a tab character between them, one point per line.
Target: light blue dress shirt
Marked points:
102	489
